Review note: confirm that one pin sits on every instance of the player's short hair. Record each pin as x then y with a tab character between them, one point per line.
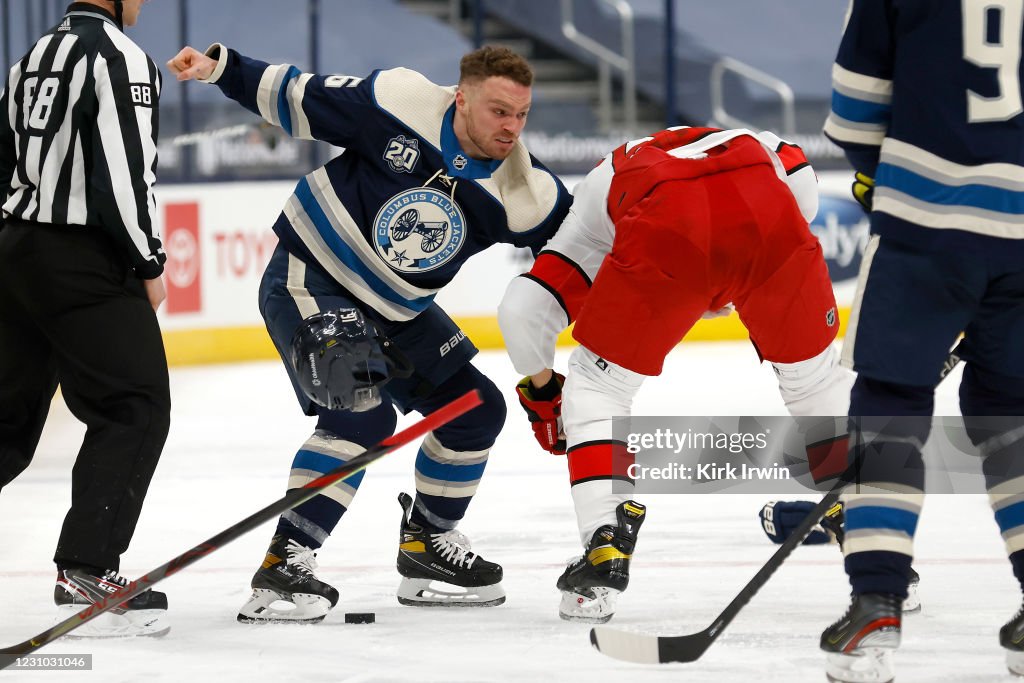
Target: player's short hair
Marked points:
494	60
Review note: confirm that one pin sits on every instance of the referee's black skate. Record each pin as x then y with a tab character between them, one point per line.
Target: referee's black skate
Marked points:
285	588
860	644
143	615
591	583
1011	637
439	568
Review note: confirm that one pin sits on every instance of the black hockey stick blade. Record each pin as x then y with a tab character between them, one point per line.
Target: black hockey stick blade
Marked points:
648	648
294	497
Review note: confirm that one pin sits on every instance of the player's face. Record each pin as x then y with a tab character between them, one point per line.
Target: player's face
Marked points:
490	116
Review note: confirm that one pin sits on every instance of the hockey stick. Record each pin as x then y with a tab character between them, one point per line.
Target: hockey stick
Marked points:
648	648
294	497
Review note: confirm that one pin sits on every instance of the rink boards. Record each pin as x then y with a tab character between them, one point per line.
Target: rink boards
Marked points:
218	240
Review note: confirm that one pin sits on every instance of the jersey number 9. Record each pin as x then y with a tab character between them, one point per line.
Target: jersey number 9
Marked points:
986	47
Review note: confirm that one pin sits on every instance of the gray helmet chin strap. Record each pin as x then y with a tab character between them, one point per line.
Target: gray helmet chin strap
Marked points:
119	13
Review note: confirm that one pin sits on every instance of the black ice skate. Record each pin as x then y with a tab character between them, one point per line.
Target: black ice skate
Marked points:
591	584
287	576
860	644
1011	637
143	615
440	570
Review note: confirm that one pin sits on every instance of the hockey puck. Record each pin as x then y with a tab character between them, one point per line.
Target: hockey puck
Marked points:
360	617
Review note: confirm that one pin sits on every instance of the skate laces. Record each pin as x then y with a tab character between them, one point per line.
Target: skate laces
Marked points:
454	547
575	560
303	558
113	577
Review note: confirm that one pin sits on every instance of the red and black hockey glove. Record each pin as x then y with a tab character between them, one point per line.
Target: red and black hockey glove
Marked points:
544	408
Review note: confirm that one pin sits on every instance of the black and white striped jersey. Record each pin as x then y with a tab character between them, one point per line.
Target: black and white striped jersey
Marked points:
78	126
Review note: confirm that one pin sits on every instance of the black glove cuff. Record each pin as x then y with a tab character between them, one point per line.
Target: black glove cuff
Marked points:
547	392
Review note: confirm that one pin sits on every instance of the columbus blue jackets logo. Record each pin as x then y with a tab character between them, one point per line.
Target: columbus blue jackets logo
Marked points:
419	230
402	154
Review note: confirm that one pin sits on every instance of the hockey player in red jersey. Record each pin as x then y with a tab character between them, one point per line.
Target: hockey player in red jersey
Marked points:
664	230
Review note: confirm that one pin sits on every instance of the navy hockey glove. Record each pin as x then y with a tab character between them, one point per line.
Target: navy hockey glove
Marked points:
780	519
863	190
544	408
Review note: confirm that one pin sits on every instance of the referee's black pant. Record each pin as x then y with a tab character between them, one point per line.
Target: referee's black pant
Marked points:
73	313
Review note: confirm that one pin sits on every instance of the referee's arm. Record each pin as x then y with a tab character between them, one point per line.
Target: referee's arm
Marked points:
124	145
8	152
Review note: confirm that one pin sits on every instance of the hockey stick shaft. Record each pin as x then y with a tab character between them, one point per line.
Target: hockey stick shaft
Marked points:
653	649
690	648
294	497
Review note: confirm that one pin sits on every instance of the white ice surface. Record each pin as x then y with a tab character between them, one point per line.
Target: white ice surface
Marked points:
233	434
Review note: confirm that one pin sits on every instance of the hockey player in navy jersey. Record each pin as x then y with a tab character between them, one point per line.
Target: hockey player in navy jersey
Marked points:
663	231
927	105
430	176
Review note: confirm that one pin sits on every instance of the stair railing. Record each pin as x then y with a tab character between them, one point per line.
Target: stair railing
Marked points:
726	120
607	60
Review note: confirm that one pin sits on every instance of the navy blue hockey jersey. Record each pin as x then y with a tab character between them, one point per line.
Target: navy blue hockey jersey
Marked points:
395	216
927	100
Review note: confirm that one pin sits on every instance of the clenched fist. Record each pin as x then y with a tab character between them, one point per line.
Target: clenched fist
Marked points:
190	64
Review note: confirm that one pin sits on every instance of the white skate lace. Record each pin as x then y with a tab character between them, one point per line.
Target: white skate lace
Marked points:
113	577
454	547
303	558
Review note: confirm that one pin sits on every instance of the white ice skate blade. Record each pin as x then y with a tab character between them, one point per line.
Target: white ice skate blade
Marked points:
913	601
269	607
151	623
1015	662
428	593
597	610
870	665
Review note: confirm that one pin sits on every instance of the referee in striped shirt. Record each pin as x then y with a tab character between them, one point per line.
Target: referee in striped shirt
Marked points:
80	267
